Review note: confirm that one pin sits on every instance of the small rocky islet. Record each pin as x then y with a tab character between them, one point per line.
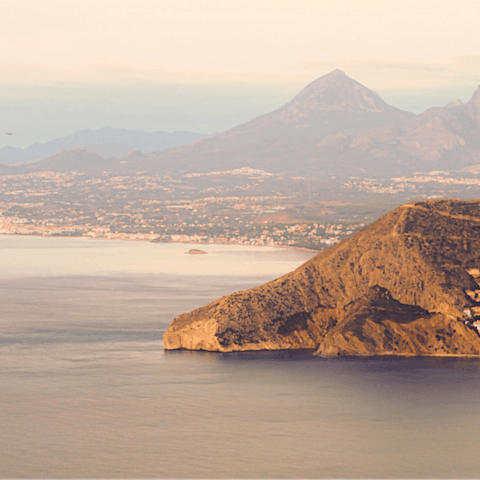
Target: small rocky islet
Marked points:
408	284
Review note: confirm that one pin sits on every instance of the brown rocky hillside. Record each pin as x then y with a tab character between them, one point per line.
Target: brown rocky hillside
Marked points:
407	284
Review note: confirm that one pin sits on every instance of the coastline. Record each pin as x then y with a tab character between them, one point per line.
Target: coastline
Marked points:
151	238
65	256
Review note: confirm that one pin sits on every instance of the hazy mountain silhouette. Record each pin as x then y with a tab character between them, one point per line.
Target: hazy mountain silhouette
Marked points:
302	136
333	126
439	138
79	159
107	142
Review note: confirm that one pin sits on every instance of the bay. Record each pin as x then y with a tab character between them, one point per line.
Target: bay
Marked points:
87	391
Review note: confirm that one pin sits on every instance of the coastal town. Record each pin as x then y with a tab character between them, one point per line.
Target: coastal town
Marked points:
244	206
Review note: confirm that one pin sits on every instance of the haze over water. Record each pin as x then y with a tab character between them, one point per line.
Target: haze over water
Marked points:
86	389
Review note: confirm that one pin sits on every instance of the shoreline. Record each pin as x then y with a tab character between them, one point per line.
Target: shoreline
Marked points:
87	237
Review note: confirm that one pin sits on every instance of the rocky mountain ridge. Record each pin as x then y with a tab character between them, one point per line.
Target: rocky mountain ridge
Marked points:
408	284
333	126
291	139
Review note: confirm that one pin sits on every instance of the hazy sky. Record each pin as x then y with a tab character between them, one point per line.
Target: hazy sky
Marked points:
206	65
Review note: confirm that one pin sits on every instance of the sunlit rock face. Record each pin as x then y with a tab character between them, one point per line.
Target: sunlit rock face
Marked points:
405	285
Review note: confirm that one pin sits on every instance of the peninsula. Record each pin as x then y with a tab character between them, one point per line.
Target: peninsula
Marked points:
408	284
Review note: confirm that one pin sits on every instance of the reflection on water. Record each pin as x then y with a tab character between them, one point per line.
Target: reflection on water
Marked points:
379	363
87	391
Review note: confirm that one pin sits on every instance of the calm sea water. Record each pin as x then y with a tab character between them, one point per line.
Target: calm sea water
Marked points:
87	391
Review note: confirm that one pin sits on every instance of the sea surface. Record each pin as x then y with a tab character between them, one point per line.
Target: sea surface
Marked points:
87	391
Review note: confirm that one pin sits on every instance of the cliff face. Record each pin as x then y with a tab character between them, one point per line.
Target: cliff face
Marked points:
407	284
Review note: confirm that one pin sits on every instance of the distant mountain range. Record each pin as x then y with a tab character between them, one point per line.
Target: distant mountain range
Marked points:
334	126
301	137
338	126
106	142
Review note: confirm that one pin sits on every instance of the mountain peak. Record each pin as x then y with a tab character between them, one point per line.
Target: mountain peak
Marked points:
454	103
337	78
335	73
475	100
336	91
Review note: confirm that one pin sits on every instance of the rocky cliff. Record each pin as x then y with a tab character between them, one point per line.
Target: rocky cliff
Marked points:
407	284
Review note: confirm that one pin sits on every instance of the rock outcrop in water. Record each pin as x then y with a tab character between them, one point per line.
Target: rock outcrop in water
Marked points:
408	284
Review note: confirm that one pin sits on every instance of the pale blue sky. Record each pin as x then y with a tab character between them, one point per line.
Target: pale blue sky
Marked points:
206	65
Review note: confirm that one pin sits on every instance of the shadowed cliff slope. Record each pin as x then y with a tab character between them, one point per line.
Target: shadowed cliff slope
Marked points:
407	284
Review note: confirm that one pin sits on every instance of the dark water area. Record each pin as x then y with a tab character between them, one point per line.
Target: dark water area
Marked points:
87	391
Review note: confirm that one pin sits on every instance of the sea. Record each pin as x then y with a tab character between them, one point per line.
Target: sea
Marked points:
87	390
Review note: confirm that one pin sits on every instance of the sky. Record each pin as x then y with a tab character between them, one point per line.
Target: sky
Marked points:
208	65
